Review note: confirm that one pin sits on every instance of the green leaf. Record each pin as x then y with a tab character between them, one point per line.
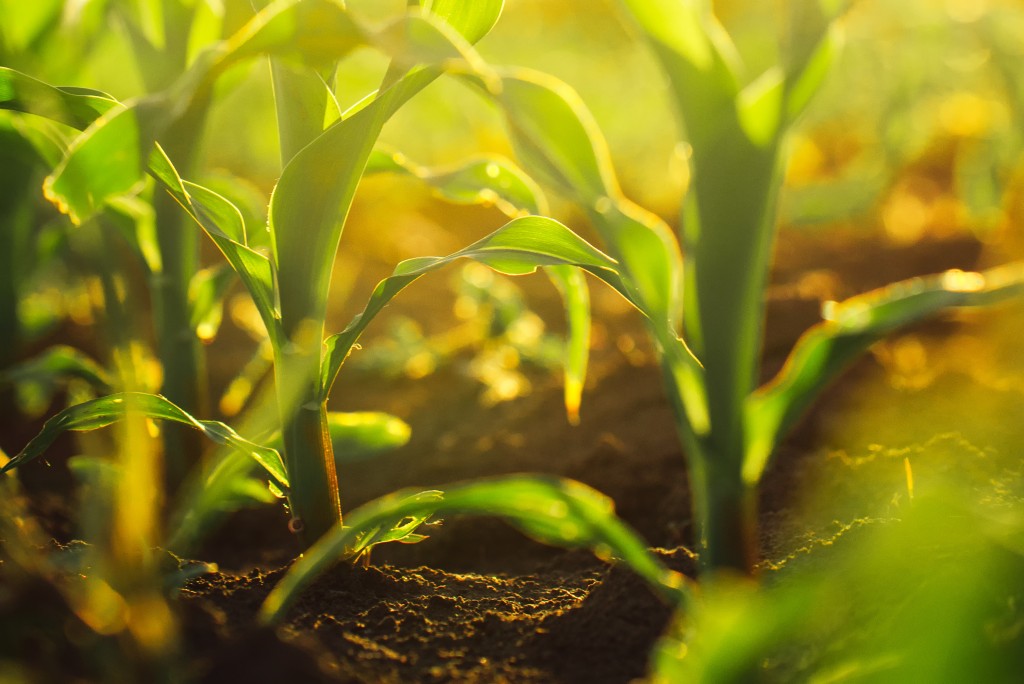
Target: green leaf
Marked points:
225	487
317	31
849	328
699	61
483	180
75	107
312	199
551	510
572	286
224	224
108	410
471	18
300	97
728	218
39	378
362	435
494	180
805	78
556	137
559	142
517	248
206	292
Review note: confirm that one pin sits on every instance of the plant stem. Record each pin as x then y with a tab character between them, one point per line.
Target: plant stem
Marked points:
726	513
724	505
309	455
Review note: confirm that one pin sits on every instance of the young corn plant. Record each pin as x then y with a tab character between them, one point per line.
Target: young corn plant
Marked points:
307	214
289	287
704	303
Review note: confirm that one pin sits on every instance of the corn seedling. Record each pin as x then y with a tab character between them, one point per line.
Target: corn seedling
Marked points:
704	303
307	214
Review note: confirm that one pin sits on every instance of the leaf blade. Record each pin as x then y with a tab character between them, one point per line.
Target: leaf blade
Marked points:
553	510
851	327
107	410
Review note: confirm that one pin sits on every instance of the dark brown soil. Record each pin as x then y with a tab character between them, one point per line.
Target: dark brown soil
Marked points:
478	602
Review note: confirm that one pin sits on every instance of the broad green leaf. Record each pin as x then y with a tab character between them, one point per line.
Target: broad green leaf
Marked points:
556	137
317	31
698	59
517	248
362	435
849	328
551	510
75	107
559	142
494	180
300	97
312	199
43	375
483	180
110	409
471	18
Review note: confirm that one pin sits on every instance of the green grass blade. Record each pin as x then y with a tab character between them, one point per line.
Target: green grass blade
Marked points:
551	510
113	408
222	221
517	248
849	329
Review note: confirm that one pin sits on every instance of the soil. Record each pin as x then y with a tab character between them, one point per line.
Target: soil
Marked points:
478	602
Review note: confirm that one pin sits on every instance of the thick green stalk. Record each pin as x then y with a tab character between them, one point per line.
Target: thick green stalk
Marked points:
726	513
724	506
309	455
